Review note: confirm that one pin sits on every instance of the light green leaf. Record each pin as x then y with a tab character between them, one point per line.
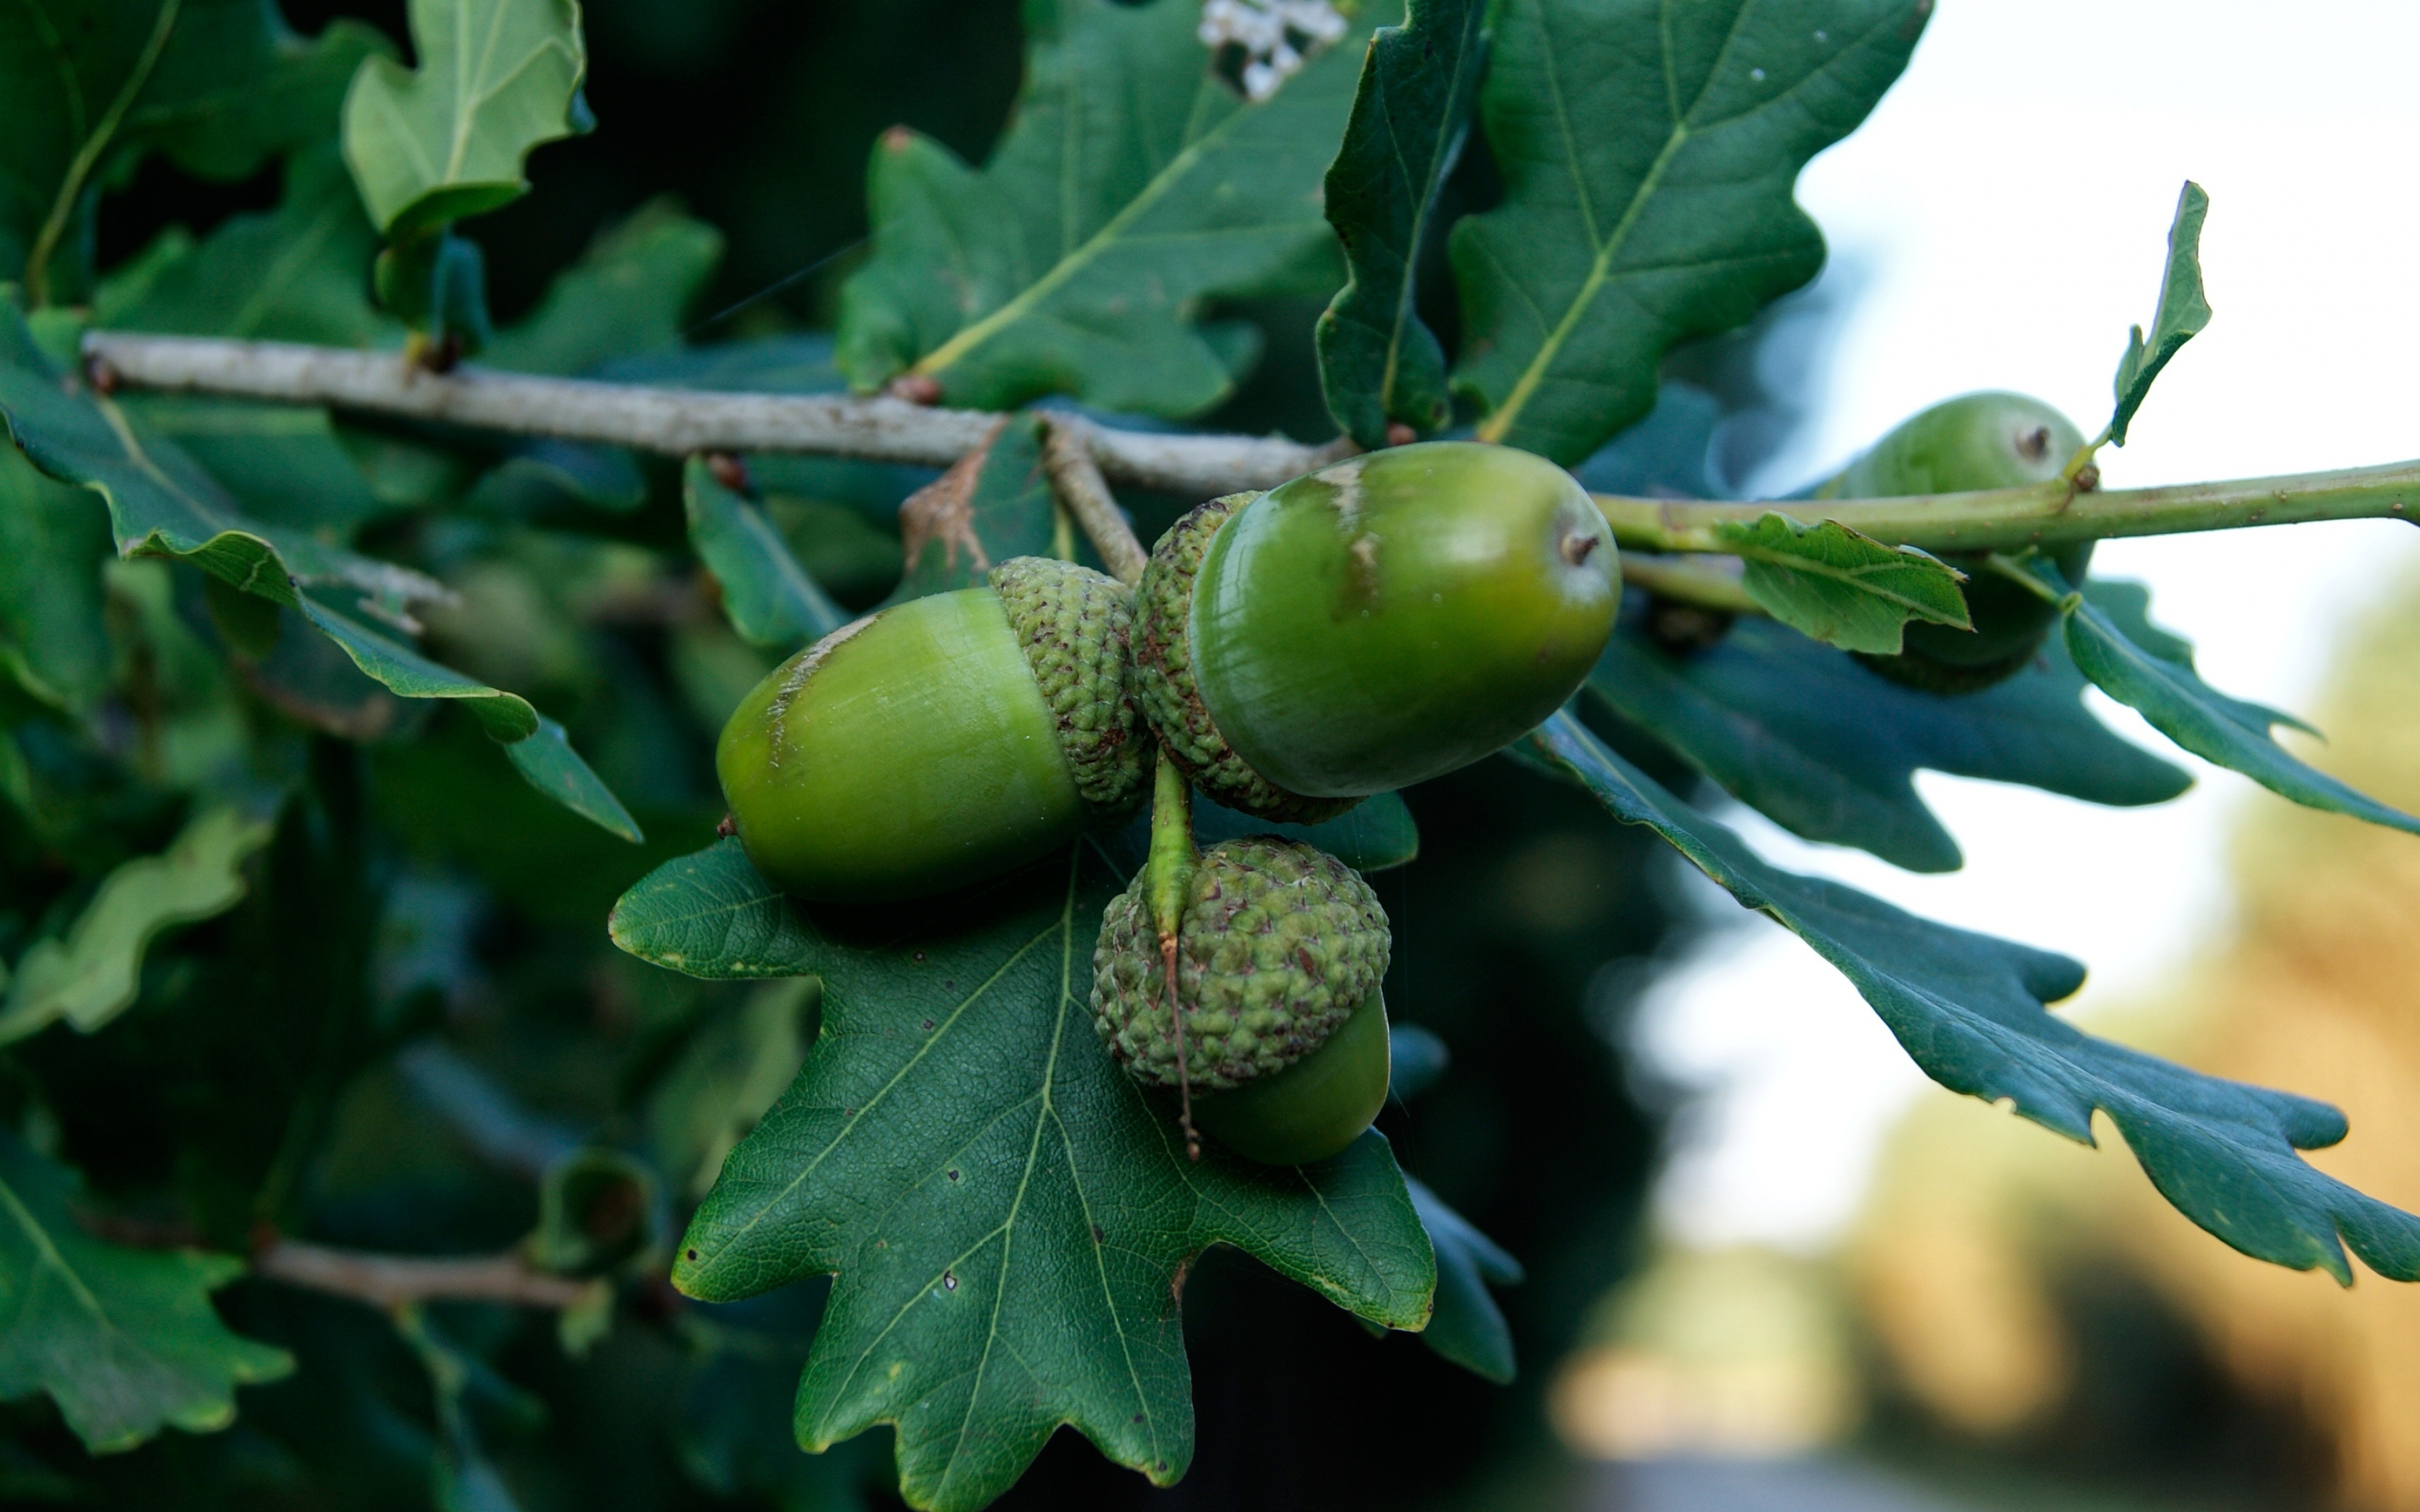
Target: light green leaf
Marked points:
1648	153
1469	1328
1969	1009
1378	362
1829	750
497	78
2151	672
92	973
87	85
2183	313
1843	589
161	503
769	597
1132	186
626	297
996	502
1010	1216
124	1341
534	744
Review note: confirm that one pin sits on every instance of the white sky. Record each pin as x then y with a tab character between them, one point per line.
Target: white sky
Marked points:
2008	204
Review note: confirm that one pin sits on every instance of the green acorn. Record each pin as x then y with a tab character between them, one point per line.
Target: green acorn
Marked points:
1280	1044
1978	441
1371	624
942	741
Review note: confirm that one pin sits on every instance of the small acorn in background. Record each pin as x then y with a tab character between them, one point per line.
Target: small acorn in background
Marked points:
1276	1032
942	741
1977	441
1371	624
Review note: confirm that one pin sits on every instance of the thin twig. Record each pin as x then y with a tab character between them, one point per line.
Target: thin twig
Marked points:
2046	514
395	1280
1684	583
680	421
675	422
1067	449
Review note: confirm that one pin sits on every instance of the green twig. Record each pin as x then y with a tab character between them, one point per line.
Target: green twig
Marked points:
2044	515
1684	584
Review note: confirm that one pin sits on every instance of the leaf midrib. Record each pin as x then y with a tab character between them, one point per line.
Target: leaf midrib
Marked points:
1074	262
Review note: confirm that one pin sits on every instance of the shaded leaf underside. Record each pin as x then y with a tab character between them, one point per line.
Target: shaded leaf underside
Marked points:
1969	1009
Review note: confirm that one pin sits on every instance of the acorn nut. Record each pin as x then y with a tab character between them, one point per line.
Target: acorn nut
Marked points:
1977	441
1278	958
940	741
1371	624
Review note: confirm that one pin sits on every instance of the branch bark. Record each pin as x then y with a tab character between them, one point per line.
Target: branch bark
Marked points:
675	421
680	421
1068	449
394	1280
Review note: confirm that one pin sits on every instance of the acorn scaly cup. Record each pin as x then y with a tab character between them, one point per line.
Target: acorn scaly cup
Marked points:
1977	441
1371	624
1262	1007
942	741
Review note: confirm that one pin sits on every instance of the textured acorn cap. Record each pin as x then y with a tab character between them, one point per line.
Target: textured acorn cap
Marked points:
1280	942
1164	685
1074	626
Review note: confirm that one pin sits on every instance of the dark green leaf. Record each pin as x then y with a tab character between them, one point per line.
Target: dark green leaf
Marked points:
1846	590
1375	835
625	298
1010	1217
1133	185
1648	154
159	503
534	744
1664	456
124	1341
2183	313
91	973
297	273
1827	750
53	644
1969	1009
497	78
1379	362
1469	1328
88	85
770	598
285	466
996	503
2152	672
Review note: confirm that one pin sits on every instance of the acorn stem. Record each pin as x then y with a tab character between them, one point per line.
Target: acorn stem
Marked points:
1170	870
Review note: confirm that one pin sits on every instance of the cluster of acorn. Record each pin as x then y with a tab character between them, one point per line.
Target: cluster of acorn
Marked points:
1364	627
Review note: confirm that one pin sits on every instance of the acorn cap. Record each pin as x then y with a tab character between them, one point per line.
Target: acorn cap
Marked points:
1074	626
1977	441
1280	942
1168	695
